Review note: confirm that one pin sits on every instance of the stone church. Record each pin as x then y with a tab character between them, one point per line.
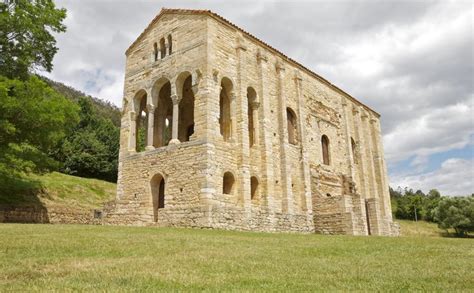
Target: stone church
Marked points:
221	130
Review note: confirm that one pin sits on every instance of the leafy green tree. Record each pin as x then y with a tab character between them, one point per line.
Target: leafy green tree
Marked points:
92	149
407	202
33	119
456	213
432	200
26	40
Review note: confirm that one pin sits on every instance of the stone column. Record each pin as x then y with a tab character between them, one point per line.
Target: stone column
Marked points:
240	121
287	201
151	120
369	155
266	136
132	142
347	137
382	182
375	215
304	154
254	106
233	118
174	130
363	171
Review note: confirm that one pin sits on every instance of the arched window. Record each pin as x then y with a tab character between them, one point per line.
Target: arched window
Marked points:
228	183
325	147
186	107
224	109
252	99
162	48
354	150
157	185
170	44
142	124
291	122
155	51
163	115
253	187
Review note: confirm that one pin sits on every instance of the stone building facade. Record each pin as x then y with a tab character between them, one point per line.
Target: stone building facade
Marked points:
220	130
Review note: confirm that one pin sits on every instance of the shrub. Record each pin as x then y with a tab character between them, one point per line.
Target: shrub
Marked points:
456	213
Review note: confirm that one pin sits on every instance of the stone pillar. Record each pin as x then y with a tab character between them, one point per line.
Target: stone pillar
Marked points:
381	172
233	117
132	142
369	155
254	106
363	171
266	136
240	121
304	153
174	130
287	196
347	138
150	130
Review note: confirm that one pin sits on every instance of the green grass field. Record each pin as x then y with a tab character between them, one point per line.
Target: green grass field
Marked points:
57	189
105	258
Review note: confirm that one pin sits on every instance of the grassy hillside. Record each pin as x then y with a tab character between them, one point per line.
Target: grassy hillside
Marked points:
420	229
57	189
105	258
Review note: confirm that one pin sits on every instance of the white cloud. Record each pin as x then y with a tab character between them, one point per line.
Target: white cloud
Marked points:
455	177
411	61
438	131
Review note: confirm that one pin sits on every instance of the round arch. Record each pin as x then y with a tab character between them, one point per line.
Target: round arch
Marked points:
158	191
228	182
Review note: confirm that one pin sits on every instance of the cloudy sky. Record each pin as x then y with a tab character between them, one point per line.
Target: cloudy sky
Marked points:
412	61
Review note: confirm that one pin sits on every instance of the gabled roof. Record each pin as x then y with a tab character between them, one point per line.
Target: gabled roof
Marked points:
267	46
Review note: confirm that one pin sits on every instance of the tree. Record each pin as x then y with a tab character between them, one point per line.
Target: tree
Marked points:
26	40
456	213
33	119
406	202
91	150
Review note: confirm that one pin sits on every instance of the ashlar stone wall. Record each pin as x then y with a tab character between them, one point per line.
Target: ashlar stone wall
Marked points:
239	136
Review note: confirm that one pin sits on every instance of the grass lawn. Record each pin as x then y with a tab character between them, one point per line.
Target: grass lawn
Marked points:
99	258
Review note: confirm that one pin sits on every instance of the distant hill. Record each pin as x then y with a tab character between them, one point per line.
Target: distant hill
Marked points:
103	108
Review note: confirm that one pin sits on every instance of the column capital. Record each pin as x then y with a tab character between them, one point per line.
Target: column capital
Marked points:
150	108
232	96
298	77
344	102
355	110
241	44
175	99
261	57
280	68
254	105
241	47
195	89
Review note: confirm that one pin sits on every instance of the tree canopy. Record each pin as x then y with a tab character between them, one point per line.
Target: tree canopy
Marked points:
26	39
33	120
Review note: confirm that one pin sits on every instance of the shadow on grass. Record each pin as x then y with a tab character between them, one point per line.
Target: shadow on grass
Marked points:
447	234
20	200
